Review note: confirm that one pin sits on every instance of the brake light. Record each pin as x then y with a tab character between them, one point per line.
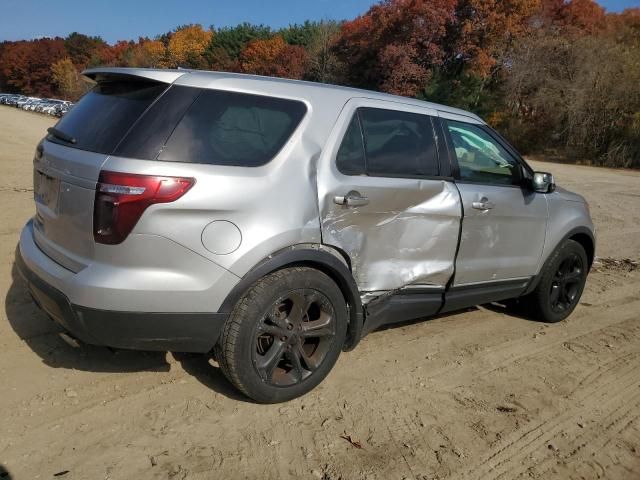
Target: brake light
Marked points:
122	198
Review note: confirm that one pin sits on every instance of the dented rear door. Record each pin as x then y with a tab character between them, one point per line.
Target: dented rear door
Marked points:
397	216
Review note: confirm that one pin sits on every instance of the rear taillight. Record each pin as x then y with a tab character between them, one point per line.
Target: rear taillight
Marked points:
121	198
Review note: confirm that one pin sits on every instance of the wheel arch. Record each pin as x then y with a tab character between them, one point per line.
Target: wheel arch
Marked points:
584	236
325	259
588	243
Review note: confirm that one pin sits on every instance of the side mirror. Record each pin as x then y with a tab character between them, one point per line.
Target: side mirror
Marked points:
543	182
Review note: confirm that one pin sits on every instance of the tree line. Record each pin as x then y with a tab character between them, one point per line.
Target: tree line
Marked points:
559	77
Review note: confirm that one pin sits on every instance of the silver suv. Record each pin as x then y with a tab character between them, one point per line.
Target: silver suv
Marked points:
275	222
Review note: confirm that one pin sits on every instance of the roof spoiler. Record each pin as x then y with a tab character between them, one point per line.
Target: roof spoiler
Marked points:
157	75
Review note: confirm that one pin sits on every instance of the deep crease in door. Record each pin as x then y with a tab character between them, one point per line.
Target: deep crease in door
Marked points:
407	235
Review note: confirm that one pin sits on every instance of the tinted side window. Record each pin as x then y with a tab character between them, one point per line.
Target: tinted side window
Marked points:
350	158
102	117
480	158
227	128
398	143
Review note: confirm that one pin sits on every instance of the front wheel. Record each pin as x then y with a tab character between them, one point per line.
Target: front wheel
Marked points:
561	284
284	335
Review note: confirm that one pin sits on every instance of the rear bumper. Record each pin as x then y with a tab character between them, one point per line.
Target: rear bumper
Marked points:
173	331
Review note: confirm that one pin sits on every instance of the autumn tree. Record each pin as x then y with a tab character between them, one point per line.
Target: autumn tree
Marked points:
273	57
116	55
324	64
486	30
187	46
148	54
624	27
26	65
396	45
578	95
82	49
67	79
582	16
477	47
228	43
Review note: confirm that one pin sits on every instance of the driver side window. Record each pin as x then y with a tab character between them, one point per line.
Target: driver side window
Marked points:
480	158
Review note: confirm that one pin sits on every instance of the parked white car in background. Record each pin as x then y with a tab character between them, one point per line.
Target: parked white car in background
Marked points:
49	106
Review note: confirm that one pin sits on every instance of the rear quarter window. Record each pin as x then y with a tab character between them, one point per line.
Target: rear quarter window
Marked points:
229	128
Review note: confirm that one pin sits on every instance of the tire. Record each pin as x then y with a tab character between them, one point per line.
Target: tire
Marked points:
560	286
284	335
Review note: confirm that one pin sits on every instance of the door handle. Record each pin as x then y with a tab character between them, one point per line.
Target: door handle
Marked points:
483	204
351	199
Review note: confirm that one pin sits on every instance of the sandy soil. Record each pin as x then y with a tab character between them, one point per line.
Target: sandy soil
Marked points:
477	394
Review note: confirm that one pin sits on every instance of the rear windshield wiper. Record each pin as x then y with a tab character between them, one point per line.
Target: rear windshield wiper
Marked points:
61	135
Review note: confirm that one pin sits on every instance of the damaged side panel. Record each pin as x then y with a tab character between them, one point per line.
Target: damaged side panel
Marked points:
399	231
407	234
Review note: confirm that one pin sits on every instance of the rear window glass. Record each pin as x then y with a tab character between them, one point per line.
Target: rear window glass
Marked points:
103	116
228	128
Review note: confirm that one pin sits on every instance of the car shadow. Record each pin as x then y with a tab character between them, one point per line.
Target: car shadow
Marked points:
4	473
42	335
514	310
496	307
201	368
405	323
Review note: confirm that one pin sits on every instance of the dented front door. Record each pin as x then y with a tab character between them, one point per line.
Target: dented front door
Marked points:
396	231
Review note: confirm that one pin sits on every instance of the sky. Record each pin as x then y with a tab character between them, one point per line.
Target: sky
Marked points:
128	19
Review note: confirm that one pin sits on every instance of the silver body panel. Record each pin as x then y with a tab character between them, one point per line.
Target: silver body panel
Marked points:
505	242
149	274
407	233
173	261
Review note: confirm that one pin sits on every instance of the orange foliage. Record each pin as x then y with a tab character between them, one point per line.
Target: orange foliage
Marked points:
116	55
67	78
583	16
488	28
187	45
396	44
148	53
274	57
25	66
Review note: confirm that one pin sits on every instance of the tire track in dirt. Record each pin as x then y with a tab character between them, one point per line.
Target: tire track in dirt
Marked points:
618	390
508	461
506	353
595	440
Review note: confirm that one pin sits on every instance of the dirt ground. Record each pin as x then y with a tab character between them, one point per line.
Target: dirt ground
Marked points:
473	395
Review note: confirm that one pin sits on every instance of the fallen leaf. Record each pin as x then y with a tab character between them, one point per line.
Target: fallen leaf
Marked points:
350	439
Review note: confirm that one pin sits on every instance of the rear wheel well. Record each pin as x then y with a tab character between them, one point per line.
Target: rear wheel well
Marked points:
587	243
331	264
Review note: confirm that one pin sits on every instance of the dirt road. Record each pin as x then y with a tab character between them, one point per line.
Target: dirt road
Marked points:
473	395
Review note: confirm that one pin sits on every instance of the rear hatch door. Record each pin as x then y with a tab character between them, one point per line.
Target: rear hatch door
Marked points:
67	163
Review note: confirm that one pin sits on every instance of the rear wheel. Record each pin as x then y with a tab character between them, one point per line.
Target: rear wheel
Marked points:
284	335
561	284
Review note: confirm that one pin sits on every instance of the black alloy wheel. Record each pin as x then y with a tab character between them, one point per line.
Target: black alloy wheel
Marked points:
294	337
284	335
567	284
559	286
